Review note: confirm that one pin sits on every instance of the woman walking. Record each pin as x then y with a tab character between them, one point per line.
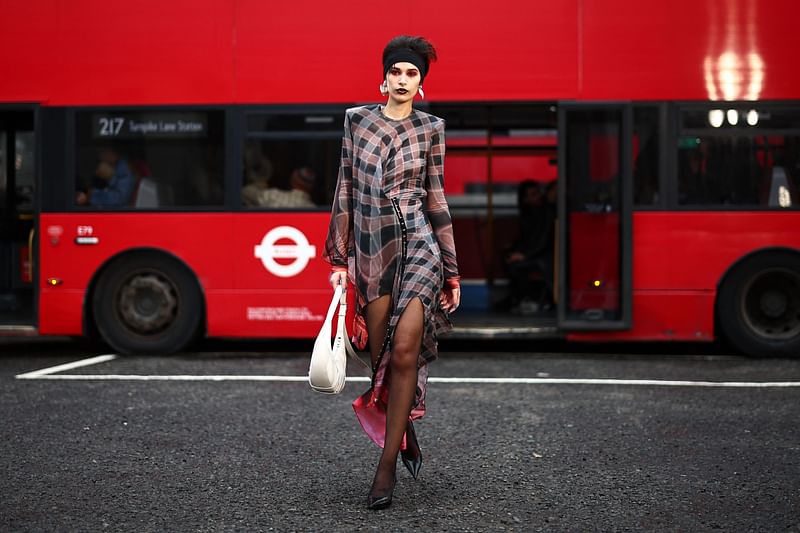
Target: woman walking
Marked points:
391	235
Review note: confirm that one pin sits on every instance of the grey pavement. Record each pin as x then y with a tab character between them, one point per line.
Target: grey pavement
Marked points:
264	456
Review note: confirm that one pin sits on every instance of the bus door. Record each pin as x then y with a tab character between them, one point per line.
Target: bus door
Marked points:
17	164
594	241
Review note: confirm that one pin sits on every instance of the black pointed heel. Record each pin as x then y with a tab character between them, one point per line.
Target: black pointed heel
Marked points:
412	455
382	499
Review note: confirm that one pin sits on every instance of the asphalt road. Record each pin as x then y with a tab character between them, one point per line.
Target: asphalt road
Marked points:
110	452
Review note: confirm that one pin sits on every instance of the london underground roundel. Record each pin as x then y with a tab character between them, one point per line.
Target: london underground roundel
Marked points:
300	250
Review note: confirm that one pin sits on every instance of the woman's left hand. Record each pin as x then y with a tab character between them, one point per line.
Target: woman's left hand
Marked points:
450	298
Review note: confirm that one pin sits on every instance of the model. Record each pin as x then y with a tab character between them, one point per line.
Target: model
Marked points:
391	236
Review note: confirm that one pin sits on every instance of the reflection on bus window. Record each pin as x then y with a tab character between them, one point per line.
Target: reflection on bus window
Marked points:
149	160
738	163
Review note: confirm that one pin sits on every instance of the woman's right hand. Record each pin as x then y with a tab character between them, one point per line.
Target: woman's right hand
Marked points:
338	277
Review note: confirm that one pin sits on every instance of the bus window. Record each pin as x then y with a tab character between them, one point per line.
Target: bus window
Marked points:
645	156
497	147
149	159
291	159
24	168
739	157
493	153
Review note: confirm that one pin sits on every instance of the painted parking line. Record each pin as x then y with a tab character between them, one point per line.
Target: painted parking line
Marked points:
36	374
53	373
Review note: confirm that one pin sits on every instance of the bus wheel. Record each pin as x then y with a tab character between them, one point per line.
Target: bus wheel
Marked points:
147	303
759	305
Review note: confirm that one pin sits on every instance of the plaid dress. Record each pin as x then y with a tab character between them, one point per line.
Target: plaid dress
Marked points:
390	225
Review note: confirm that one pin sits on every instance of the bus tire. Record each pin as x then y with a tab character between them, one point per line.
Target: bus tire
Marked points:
758	305
147	303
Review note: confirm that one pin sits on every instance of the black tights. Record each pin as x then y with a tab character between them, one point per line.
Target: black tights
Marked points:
406	344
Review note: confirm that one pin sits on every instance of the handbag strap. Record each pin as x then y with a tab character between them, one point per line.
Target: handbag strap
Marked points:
341	328
338	294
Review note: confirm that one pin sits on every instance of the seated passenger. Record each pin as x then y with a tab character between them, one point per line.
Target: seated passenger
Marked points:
533	250
258	173
113	182
302	183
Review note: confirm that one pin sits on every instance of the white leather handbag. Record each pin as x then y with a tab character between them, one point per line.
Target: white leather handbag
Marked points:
327	371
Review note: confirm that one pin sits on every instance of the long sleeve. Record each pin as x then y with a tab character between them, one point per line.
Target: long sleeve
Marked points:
339	242
436	203
119	189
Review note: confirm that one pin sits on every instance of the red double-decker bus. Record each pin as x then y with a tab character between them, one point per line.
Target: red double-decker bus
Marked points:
151	157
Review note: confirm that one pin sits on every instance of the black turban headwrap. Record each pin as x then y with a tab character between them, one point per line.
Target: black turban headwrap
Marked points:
406	55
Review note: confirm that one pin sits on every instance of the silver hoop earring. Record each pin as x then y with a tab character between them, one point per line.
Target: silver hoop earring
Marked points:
421	93
383	88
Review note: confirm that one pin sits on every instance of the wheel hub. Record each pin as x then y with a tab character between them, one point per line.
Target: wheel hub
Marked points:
148	303
771	304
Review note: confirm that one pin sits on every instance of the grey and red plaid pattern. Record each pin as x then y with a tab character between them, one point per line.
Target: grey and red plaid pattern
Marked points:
402	161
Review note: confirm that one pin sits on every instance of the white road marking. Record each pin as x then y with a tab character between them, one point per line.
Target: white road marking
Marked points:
641	382
138	377
51	373
37	374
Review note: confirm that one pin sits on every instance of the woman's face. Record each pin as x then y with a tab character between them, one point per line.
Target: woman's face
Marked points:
402	80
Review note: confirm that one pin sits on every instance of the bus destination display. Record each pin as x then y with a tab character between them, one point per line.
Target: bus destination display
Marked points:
150	125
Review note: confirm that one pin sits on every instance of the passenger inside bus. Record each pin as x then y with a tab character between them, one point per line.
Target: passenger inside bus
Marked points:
257	175
529	261
301	182
259	191
112	184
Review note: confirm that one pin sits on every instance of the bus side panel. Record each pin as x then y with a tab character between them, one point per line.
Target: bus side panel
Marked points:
755	37
280	283
679	259
250	51
261	314
186	55
200	240
692	250
539	45
664	315
61	311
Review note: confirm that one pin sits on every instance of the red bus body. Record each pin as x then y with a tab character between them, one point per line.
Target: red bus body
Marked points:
97	53
91	52
240	294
